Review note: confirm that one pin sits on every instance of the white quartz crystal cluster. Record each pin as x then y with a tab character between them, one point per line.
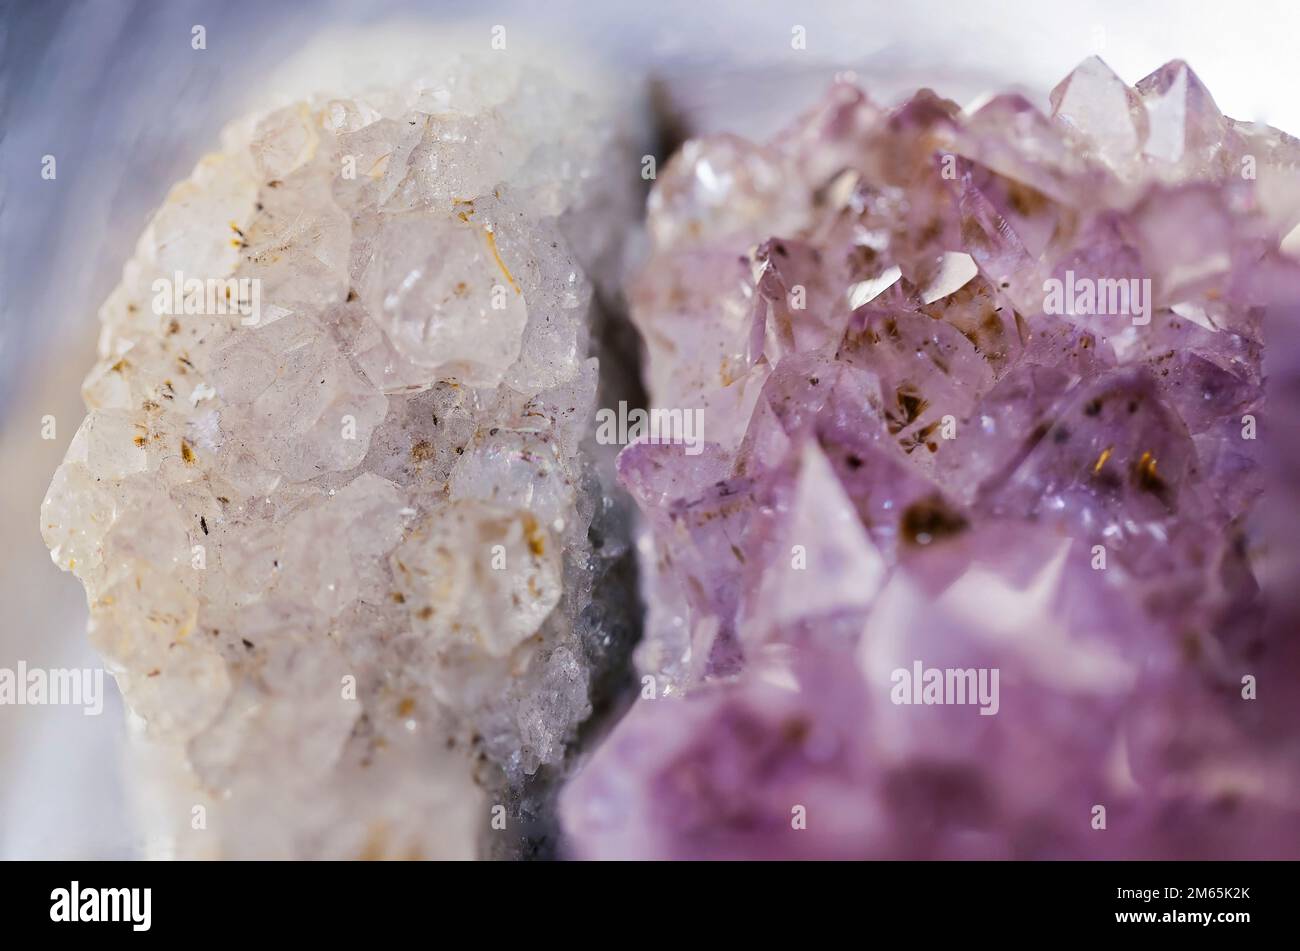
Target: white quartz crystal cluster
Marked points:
330	504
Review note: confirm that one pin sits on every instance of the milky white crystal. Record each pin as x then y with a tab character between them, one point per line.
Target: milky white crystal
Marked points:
334	536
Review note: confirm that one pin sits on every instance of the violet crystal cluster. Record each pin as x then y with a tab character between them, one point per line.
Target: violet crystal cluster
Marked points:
983	391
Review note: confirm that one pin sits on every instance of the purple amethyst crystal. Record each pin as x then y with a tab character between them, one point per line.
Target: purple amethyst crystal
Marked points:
991	550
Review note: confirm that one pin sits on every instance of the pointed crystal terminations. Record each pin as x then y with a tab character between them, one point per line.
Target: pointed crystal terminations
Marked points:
330	504
977	560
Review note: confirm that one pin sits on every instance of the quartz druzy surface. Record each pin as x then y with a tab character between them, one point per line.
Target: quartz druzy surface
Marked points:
330	504
971	564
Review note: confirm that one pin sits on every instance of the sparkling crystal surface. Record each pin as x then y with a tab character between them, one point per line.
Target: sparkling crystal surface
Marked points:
913	456
338	549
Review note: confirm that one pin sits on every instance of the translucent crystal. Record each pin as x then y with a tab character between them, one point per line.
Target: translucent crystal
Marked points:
333	519
916	459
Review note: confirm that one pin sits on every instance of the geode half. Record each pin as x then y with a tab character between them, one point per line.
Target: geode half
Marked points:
331	503
968	568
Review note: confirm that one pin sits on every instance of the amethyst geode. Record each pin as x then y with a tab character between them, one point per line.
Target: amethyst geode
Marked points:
990	551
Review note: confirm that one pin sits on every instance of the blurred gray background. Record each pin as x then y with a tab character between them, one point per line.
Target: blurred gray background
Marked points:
113	90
